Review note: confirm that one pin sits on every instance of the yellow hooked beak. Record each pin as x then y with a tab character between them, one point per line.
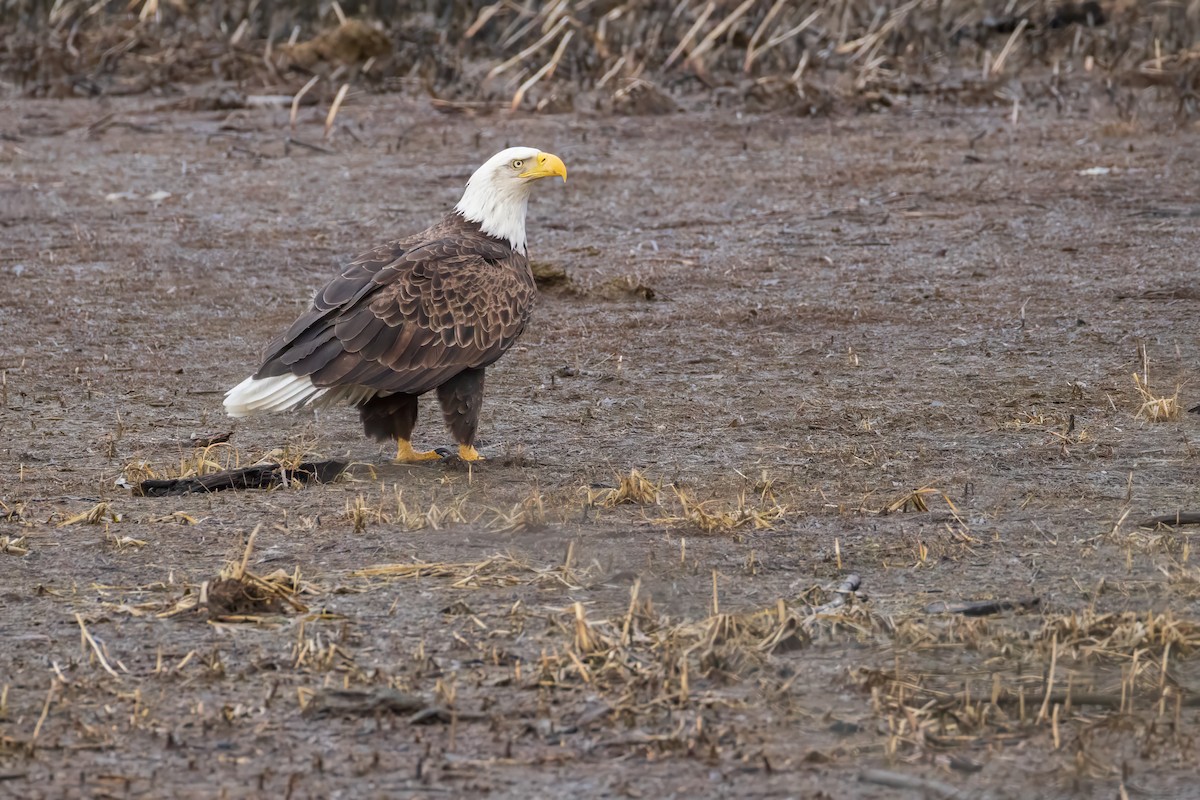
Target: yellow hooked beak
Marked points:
547	166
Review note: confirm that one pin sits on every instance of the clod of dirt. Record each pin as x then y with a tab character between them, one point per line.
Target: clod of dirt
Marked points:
549	276
626	287
642	99
352	42
223	100
458	608
875	101
16	201
558	101
233	100
363	702
779	94
1088	14
229	597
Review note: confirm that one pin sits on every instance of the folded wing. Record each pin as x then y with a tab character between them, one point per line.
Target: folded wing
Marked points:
407	318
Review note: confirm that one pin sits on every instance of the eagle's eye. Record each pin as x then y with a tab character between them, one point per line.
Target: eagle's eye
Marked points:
517	163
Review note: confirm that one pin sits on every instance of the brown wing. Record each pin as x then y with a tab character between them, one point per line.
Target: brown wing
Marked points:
405	318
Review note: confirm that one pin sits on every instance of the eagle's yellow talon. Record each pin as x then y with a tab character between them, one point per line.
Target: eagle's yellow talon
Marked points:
406	455
468	453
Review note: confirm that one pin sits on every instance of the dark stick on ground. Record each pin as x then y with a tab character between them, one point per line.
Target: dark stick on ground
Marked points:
260	476
1172	520
983	608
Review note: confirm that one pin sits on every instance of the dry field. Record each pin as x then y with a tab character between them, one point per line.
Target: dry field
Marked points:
940	349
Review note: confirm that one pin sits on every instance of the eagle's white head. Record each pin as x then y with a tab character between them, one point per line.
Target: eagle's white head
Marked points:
497	195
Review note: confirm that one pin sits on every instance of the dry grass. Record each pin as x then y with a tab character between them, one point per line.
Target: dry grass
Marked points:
13	546
643	659
393	509
1026	420
760	510
714	516
200	461
1122	636
1155	408
126	542
1064	674
802	56
235	595
13	513
916	501
239	595
497	570
216	457
634	488
101	512
527	515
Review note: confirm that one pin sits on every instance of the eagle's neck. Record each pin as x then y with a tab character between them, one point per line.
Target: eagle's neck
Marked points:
499	210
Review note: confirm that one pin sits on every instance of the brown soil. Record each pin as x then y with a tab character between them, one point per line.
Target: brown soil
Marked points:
789	324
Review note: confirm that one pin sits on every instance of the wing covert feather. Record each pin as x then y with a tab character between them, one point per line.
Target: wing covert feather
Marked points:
407	317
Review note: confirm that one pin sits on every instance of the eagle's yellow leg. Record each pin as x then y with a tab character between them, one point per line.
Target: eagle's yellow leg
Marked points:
468	452
406	455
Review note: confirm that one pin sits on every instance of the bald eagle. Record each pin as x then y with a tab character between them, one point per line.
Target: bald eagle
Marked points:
428	312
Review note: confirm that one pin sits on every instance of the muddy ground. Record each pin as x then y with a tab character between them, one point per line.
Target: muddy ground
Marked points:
787	324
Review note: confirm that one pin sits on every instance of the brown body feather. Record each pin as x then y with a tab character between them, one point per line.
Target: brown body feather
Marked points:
427	312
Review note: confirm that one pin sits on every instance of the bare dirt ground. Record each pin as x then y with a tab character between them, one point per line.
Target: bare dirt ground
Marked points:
787	324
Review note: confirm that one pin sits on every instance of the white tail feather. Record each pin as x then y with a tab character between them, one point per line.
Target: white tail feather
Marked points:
261	395
288	392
